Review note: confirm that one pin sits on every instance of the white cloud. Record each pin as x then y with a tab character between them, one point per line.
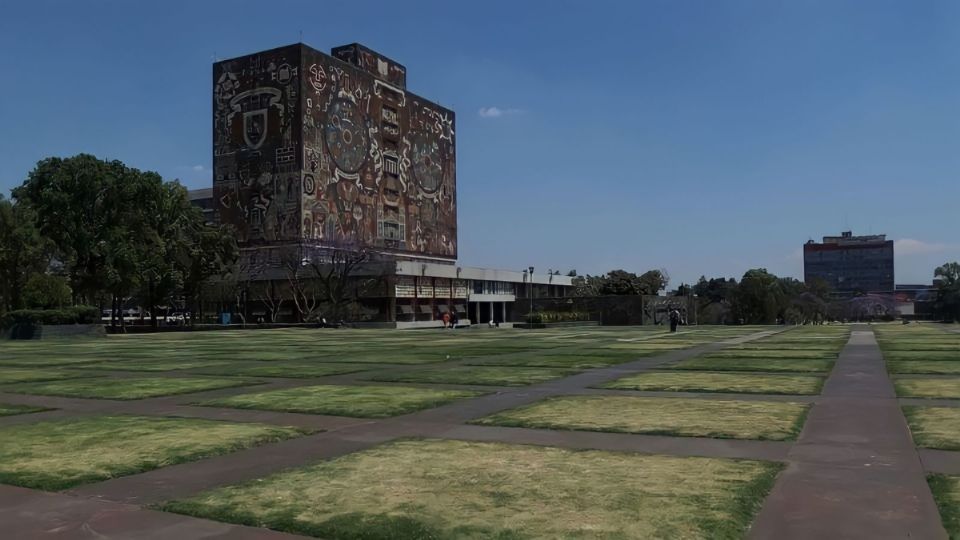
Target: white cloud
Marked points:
911	246
496	112
197	168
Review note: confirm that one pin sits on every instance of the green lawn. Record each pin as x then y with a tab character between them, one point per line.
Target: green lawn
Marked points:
300	370
946	491
942	388
153	365
936	367
486	375
720	382
355	401
18	375
934	427
574	360
9	409
780	354
452	489
126	388
726	419
703	363
56	455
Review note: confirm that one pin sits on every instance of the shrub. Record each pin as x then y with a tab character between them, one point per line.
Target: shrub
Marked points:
46	291
546	317
69	315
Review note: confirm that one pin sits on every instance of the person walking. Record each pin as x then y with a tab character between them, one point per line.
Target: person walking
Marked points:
674	320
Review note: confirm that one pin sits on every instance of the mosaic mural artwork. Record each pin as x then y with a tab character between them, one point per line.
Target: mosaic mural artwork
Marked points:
333	151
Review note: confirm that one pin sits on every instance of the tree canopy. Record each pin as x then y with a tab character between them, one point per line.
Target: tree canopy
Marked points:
112	231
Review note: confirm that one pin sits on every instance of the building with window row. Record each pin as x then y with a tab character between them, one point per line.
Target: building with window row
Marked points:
850	264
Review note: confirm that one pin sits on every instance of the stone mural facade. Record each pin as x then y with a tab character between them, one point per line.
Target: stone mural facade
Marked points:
332	150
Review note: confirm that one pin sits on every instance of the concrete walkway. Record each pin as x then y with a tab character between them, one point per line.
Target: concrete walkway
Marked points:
854	472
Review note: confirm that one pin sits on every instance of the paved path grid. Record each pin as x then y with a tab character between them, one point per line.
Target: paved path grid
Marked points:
853	472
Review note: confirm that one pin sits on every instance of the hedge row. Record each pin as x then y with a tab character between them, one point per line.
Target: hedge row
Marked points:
70	315
557	316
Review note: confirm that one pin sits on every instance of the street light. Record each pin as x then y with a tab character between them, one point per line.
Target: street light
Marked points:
531	295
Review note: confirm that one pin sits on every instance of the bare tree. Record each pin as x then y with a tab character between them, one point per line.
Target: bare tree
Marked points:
295	262
270	294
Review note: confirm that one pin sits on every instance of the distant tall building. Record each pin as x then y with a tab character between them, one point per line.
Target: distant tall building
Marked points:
850	264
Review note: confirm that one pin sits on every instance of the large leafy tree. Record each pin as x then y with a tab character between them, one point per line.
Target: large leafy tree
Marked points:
621	282
76	208
24	252
120	232
947	277
715	290
760	298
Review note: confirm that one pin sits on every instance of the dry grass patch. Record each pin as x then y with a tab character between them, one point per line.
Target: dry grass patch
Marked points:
945	388
946	491
356	401
773	353
8	409
152	365
19	375
60	454
453	489
933	367
298	370
720	382
126	388
755	364
934	427
483	375
724	419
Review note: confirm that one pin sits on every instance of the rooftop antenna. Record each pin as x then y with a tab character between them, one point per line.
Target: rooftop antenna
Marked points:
301	36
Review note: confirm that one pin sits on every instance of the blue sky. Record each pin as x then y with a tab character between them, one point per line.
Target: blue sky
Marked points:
704	137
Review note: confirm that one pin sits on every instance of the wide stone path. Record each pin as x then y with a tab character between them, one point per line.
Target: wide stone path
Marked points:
854	472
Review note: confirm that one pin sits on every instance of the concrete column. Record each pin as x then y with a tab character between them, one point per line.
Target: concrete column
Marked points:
503	311
492	316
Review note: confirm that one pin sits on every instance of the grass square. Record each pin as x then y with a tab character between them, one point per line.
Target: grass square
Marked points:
152	365
9	409
484	375
455	489
721	419
934	427
126	388
933	367
573	360
20	375
337	400
720	382
778	354
775	365
946	492
939	388
296	369
56	455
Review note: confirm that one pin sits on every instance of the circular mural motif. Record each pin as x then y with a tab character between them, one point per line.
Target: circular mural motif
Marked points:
426	162
346	135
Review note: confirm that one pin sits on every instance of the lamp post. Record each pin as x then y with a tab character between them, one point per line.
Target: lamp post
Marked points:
531	295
